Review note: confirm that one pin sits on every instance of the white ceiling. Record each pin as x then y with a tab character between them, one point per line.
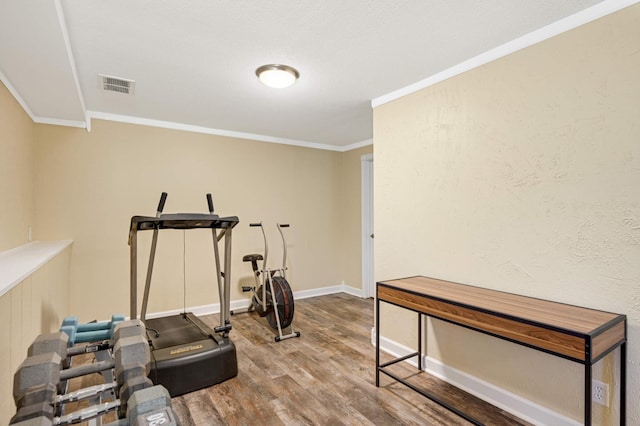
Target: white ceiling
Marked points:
194	61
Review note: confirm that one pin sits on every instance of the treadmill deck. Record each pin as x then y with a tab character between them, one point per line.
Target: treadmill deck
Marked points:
186	355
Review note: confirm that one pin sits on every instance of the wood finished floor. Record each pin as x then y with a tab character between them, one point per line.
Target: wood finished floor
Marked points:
325	377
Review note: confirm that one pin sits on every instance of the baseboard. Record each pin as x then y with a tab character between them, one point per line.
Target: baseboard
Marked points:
352	290
214	308
503	399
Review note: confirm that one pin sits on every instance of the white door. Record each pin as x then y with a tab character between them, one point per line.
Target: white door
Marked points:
368	284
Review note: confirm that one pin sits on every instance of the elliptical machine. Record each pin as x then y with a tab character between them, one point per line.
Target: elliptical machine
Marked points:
272	295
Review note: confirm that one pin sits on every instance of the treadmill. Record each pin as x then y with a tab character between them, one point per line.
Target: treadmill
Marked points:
186	354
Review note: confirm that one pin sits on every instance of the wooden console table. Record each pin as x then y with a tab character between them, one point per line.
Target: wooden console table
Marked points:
579	334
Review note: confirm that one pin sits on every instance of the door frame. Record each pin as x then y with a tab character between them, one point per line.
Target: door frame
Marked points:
366	168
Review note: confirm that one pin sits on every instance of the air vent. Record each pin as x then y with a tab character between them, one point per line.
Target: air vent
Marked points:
117	84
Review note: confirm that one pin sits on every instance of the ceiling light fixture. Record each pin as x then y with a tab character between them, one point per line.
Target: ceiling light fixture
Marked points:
277	76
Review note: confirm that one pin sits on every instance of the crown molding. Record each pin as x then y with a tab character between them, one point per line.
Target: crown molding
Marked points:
570	22
16	95
356	145
219	132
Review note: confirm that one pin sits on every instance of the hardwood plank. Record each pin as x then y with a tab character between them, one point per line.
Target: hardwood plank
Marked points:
325	377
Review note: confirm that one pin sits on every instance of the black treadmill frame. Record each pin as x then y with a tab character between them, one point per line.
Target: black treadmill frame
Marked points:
184	221
224	348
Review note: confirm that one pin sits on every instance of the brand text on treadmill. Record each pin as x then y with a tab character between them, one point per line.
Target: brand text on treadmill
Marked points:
186	349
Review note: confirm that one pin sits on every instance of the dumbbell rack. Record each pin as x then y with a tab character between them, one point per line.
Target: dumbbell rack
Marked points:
41	395
186	354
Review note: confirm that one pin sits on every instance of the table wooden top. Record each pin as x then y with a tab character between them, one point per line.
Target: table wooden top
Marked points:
574	319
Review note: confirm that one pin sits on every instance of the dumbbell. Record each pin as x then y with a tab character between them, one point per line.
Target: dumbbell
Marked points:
130	353
89	332
43	399
47	393
146	407
35	382
92	326
59	342
131	379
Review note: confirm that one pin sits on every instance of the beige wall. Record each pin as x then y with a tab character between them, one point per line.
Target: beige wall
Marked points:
16	172
350	222
38	303
521	175
90	184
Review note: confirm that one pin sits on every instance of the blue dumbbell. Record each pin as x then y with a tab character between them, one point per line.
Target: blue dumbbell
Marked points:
92	326
89	332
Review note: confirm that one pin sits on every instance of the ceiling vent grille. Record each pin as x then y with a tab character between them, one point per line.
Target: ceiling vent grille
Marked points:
117	84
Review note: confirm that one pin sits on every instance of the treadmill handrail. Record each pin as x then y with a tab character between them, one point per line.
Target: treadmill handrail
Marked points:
182	221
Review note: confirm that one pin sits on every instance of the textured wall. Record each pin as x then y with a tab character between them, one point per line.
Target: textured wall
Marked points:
521	175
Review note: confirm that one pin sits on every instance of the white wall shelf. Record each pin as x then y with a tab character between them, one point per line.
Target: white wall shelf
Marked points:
20	262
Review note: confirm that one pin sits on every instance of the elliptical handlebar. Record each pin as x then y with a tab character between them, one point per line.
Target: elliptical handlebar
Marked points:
284	244
266	245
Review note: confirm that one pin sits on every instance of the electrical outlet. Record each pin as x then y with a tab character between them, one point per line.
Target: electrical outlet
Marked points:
600	393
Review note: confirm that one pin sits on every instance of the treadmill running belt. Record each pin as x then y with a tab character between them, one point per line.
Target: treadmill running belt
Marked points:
173	331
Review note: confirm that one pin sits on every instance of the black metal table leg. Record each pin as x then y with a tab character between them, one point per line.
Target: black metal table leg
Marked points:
377	340
623	383
419	341
587	394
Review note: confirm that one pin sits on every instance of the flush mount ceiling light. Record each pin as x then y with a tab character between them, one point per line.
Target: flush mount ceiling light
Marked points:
277	76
